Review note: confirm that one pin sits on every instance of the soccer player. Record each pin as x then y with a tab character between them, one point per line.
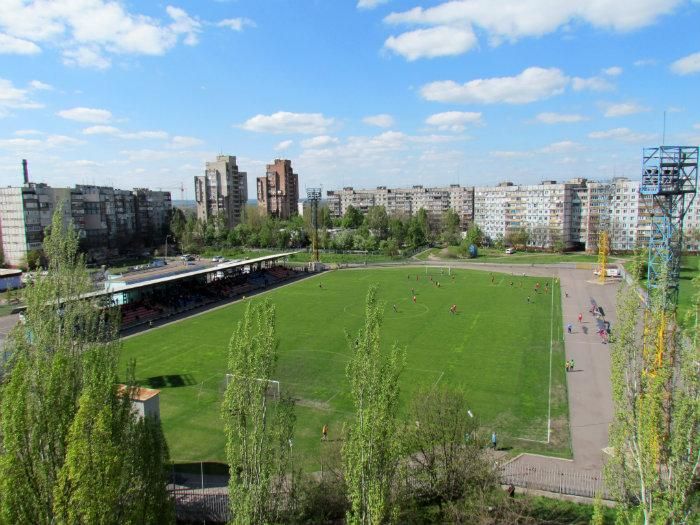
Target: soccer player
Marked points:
414	298
324	433
492	278
528	299
394	306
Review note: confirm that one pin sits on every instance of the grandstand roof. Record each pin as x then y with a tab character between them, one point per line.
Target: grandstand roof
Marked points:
180	276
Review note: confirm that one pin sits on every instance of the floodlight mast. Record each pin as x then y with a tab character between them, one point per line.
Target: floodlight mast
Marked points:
313	197
670	178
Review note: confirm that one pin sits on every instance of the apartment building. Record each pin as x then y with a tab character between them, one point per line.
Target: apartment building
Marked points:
105	218
278	190
223	189
406	201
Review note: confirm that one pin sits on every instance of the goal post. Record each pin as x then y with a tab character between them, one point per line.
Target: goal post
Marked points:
272	386
438	270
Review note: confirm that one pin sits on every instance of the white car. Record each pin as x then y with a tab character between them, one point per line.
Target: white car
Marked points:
510	251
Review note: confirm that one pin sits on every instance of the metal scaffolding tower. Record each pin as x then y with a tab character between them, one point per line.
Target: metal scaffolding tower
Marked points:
313	197
670	178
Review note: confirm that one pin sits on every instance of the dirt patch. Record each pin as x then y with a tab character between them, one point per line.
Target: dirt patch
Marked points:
312	403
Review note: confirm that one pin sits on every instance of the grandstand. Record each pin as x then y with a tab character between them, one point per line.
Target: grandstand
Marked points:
147	301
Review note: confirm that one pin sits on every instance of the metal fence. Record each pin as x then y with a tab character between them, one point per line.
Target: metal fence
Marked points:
573	483
200	505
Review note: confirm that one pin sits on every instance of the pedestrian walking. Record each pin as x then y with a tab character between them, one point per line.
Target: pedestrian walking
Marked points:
494	440
572	366
580	317
569	328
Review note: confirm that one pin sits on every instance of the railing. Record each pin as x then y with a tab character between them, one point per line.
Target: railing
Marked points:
573	483
200	505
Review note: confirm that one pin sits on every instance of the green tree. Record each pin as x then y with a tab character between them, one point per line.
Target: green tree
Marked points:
67	437
377	221
415	236
324	217
352	218
397	230
371	448
178	223
450	228
424	223
258	435
655	432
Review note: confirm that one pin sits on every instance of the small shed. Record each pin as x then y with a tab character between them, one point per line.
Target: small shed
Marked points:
10	279
145	401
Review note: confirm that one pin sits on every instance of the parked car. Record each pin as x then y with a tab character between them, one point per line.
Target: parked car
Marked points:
510	251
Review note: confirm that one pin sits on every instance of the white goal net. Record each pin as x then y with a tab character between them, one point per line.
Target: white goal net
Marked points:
438	270
272	387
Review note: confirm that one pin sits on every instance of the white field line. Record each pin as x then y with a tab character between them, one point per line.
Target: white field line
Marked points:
438	379
549	396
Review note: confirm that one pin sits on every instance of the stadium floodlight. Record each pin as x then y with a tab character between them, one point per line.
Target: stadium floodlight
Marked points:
313	197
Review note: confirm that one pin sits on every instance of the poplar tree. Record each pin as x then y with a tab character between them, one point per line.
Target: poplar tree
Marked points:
655	433
258	433
371	449
67	436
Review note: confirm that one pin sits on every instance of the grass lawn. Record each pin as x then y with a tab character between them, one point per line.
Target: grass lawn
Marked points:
497	349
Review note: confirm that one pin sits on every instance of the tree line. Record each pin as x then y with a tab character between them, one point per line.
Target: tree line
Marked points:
374	231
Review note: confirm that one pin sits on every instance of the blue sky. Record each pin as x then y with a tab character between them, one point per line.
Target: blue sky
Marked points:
362	93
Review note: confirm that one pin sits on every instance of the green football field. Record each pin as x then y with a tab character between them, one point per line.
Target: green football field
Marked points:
499	349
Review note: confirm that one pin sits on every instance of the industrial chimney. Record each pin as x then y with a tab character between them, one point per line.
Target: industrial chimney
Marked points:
25	171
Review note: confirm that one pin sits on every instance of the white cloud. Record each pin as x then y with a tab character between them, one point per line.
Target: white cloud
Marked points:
12	97
559	118
643	62
319	142
432	42
513	19
184	24
19	144
613	71
236	24
453	120
62	140
101	130
287	122
180	142
284	145
370	4
534	83
39	85
561	146
88	31
622	134
52	141
131	135
591	84
623	109
145	135
27	132
383	120
10	45
81	114
88	57
687	65
696	126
